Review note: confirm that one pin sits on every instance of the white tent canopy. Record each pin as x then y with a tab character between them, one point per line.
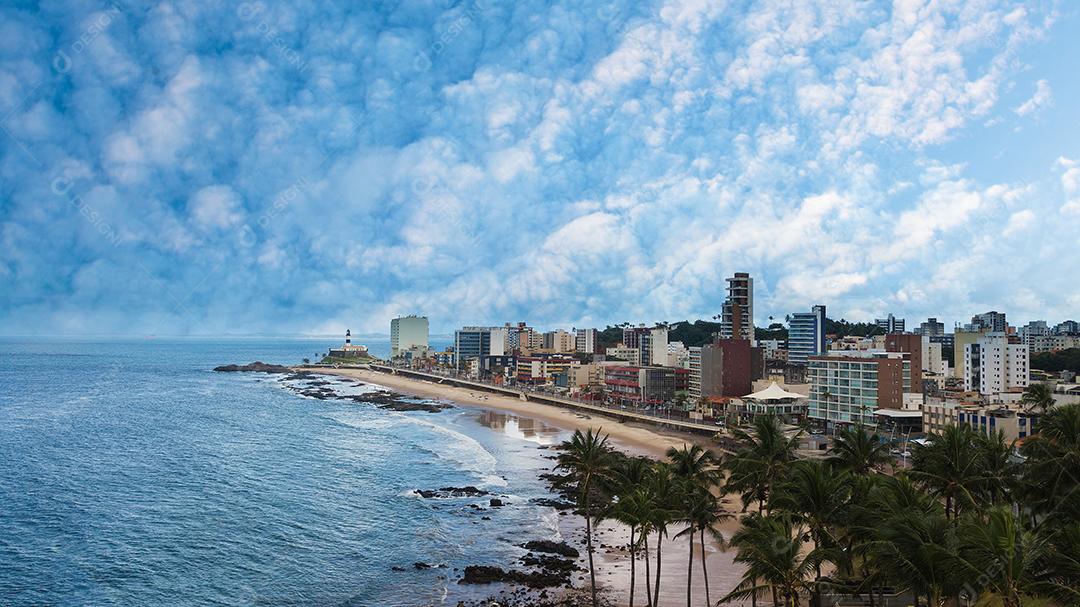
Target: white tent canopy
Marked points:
773	392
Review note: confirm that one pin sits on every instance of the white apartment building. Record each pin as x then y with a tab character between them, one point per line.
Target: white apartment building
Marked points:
408	334
586	340
560	341
678	355
693	361
622	352
996	364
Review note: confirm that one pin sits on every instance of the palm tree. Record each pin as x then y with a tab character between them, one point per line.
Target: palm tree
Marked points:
950	466
771	549
703	514
761	460
695	469
587	458
996	554
1059	575
663	486
1052	466
998	469
634	508
1038	396
814	494
859	452
918	550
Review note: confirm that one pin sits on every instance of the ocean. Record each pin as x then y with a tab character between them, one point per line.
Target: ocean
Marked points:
132	474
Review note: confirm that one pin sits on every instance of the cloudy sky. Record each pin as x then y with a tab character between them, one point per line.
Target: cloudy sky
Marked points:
210	167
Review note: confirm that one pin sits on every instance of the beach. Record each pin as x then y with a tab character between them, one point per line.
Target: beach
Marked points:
612	563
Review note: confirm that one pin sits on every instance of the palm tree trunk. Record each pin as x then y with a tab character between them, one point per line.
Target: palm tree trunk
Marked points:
588	542
705	571
656	589
648	575
633	565
690	569
775	598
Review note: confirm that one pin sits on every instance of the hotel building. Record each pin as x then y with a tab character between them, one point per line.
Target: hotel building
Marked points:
408	334
847	388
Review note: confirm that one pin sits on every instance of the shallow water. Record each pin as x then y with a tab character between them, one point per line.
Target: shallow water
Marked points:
134	475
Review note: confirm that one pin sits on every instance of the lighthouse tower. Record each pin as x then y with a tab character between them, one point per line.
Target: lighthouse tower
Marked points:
348	337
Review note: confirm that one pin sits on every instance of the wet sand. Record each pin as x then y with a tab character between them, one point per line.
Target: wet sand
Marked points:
612	559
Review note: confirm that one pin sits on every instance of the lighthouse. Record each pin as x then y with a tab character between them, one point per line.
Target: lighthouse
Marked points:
348	337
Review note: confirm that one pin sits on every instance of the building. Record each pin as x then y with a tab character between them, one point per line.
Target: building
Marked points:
737	313
621	352
774	400
775	349
1068	327
1013	421
995	364
477	342
542	368
678	355
1030	332
990	322
726	368
559	341
586	340
640	386
890	324
931	328
408	334
806	335
850	387
1052	343
694	378
962	338
651	343
912	345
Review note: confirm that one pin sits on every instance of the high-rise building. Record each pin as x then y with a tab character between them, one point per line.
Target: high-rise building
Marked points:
651	343
996	363
737	314
1068	327
931	328
806	335
890	323
694	361
586	340
479	342
962	338
990	322
912	345
408	333
1032	331
848	387
726	368
559	341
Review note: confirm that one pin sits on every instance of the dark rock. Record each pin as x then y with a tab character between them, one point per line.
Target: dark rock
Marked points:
487	574
550	547
495	502
448	492
422	565
255	367
398	568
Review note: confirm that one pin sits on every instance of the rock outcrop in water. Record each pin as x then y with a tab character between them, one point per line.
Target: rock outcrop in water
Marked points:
255	367
489	574
550	547
448	492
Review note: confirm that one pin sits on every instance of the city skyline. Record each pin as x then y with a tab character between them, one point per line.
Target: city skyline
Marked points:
263	169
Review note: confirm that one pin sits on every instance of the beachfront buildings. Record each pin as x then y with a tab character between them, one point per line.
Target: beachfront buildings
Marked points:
641	386
559	341
542	368
408	334
806	335
477	342
737	312
849	387
996	363
651	344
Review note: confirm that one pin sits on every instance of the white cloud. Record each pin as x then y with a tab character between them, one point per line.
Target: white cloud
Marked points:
216	207
1043	97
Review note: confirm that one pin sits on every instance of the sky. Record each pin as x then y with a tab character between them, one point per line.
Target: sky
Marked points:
210	168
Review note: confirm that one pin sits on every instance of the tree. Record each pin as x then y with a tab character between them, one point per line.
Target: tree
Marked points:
996	554
1038	397
634	508
771	549
696	472
760	461
950	466
587	459
814	494
918	550
1052	466
859	452
663	485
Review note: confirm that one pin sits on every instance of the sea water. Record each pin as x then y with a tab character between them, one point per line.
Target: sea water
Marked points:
132	474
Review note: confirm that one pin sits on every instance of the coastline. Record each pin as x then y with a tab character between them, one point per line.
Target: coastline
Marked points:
612	562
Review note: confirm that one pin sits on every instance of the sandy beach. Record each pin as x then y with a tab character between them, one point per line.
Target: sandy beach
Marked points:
613	566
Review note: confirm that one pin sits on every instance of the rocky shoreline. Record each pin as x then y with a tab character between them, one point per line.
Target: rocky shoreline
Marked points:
542	577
